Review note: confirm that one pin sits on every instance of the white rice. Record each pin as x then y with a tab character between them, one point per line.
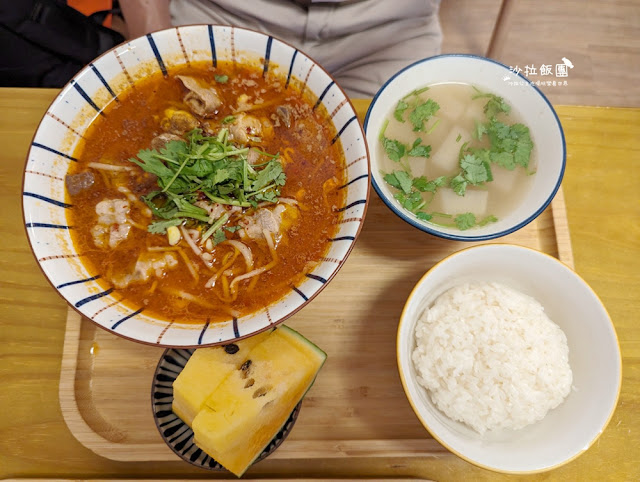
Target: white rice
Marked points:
490	357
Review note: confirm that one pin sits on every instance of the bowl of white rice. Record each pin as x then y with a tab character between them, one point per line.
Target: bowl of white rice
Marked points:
509	359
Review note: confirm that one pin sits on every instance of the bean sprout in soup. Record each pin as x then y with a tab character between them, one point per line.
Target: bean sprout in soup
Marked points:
208	193
456	156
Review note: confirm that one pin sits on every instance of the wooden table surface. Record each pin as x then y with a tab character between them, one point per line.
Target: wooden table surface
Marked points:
601	191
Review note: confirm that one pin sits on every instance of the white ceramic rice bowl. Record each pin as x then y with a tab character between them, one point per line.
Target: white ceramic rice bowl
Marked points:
594	356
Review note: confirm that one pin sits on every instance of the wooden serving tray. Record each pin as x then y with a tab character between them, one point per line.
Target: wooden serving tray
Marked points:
356	408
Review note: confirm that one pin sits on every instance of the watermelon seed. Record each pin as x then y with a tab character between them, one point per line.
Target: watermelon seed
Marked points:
231	348
249	383
246	368
260	392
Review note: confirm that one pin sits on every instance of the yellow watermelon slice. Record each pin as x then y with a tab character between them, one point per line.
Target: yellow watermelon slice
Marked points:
248	408
204	371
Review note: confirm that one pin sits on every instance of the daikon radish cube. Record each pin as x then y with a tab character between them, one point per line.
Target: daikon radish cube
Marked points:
474	201
445	158
503	179
452	106
475	111
436	134
418	166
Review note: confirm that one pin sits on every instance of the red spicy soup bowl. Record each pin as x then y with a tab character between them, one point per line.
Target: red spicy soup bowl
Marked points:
47	204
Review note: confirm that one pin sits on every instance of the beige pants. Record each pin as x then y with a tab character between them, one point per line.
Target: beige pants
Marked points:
361	43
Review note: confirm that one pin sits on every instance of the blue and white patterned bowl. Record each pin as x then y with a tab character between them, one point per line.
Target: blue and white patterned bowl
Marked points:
177	434
85	97
488	75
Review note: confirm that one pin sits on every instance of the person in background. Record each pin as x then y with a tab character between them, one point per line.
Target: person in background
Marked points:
43	43
361	43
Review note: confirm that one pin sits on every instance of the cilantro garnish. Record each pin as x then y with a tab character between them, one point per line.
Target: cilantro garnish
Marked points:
504	159
489	219
399	110
418	150
395	149
475	170
412	201
423	185
494	106
479	131
411	189
219	237
509	146
205	166
416	92
160	227
465	221
468	220
459	184
433	127
399	180
422	113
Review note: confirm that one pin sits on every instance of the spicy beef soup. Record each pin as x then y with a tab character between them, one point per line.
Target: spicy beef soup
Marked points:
208	193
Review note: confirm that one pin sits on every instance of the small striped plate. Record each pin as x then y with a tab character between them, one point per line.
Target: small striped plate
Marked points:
177	434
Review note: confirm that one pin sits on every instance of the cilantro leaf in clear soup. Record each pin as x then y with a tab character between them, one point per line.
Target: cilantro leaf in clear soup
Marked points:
399	180
511	145
395	149
411	201
504	159
418	150
392	180
465	221
494	106
422	113
405	180
479	130
422	184
459	184
475	170
401	107
488	219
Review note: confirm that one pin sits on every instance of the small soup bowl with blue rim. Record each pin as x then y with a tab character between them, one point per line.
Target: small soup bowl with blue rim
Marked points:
487	76
61	130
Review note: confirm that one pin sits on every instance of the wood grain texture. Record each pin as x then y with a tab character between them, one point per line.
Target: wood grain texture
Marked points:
356	408
601	38
603	211
244	479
